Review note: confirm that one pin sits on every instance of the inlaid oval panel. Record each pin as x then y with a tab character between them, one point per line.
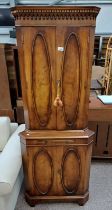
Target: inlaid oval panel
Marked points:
71	79
71	171
41	79
43	172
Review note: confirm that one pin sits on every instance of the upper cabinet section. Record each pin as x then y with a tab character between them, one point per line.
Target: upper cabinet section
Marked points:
55	15
55	47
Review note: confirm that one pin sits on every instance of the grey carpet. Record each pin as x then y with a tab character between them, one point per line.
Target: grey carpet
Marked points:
100	192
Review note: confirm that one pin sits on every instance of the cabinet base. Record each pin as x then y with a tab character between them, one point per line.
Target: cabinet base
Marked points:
66	156
80	199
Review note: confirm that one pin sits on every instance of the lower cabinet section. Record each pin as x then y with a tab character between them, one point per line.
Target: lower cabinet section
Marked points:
56	165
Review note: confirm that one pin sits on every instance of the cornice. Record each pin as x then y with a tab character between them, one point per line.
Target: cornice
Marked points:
55	13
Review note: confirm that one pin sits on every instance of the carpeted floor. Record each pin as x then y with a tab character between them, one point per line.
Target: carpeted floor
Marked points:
100	192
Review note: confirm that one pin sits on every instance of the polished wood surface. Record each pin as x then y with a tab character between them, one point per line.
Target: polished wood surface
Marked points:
66	158
55	52
99	111
44	66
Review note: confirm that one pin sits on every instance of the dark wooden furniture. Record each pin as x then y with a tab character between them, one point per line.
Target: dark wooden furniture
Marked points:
55	52
100	121
10	88
11	56
5	99
97	86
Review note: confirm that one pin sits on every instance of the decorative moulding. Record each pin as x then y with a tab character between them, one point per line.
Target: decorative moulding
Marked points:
55	13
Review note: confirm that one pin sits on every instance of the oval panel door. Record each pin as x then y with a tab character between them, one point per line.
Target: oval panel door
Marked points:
71	80
41	79
43	172
71	171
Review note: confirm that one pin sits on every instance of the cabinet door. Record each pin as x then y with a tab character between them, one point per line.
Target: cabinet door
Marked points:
73	72
38	76
55	171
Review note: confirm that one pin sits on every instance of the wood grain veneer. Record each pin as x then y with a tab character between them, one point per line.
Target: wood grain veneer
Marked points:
55	52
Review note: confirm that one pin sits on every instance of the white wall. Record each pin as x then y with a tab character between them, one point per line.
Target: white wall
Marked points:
104	20
5	35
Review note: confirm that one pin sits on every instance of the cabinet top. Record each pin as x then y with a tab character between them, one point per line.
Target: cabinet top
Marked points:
54	14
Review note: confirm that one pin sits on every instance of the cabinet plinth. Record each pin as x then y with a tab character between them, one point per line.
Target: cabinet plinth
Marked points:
55	47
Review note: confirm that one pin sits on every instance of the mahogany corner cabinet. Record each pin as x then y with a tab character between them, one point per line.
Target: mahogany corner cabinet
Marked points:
55	47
